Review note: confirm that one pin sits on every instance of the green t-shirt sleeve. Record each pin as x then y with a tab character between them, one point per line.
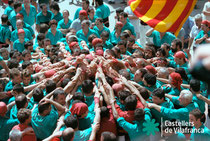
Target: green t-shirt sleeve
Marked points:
126	125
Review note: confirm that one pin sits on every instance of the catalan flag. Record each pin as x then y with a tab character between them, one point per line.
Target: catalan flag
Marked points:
163	15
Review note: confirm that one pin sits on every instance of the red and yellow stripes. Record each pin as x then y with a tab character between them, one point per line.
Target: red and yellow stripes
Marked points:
163	15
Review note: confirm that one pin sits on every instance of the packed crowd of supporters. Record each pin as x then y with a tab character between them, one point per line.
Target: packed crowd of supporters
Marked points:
65	79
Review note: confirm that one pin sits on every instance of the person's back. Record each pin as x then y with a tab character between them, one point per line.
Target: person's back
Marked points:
44	120
6	124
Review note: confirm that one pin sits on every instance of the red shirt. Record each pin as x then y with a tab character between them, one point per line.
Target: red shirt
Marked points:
107	124
128	115
21	127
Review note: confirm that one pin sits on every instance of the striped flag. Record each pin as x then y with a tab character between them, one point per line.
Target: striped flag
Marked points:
163	15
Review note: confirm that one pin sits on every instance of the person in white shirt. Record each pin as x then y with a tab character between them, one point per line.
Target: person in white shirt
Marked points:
195	30
206	11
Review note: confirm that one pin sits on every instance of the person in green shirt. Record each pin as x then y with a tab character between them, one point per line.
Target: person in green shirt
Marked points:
126	25
12	17
91	14
149	81
199	131
54	7
115	34
30	17
160	37
167	48
182	114
85	6
158	97
135	129
9	8
102	11
5	33
6	123
195	89
204	35
53	33
44	118
65	23
99	26
106	42
85	32
19	43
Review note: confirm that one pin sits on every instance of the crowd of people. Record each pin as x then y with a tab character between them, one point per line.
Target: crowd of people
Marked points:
65	79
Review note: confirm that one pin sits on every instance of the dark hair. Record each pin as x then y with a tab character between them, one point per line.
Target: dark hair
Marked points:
122	42
37	94
177	42
50	86
162	51
123	94
109	80
71	121
167	46
150	79
68	134
10	2
195	85
43	106
58	92
124	34
43	28
109	136
104	112
159	93
25	64
29	43
23	114
78	96
40	36
99	19
42	5
18	88
144	93
119	10
13	63
182	72
125	73
20	101
14	72
4	18
130	39
87	86
143	72
53	22
100	2
124	14
139	114
55	6
17	4
131	102
86	1
196	113
65	82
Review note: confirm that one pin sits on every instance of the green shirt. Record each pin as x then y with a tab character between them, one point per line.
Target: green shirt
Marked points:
76	15
12	19
8	10
56	38
81	35
14	35
102	11
200	103
100	31
57	17
179	114
62	25
5	33
157	115
44	125
29	19
6	126
135	130
204	134
201	35
167	38
114	40
129	26
40	18
17	45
